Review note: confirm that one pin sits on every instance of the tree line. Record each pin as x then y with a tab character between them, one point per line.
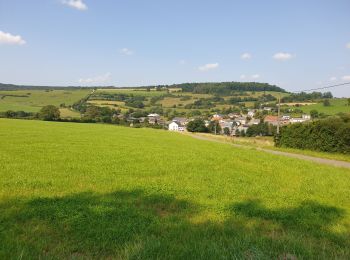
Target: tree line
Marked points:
331	134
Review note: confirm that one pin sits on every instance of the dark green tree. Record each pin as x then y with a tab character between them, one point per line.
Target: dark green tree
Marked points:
197	125
49	113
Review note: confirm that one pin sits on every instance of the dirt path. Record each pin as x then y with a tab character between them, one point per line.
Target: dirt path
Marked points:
293	155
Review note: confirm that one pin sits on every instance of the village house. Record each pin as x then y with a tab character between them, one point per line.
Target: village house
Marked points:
176	126
234	115
254	121
251	113
226	124
240	128
242	120
154	119
217	117
300	119
181	120
286	117
273	120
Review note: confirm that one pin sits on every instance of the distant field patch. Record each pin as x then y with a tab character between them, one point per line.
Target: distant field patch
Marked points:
171	101
34	100
338	105
298	104
134	92
68	113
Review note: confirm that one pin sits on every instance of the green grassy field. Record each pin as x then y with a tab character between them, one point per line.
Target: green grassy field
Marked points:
135	92
337	105
82	191
34	100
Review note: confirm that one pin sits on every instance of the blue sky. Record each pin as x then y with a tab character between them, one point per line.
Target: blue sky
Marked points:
294	44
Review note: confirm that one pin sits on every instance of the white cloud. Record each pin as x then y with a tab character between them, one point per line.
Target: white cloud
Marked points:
96	80
209	66
182	62
251	77
348	45
346	77
126	51
7	38
332	78
77	4
283	56
246	56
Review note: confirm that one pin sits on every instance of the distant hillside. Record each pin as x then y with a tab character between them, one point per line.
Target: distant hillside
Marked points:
217	88
222	88
30	87
227	87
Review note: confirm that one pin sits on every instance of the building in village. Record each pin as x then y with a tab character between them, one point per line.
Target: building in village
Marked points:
176	126
272	120
300	119
154	119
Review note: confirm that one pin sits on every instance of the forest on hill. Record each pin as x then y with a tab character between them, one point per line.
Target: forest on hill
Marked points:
217	88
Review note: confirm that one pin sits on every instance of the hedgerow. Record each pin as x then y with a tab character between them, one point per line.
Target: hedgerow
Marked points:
327	135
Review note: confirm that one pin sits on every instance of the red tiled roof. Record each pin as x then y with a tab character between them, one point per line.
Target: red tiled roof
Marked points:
271	119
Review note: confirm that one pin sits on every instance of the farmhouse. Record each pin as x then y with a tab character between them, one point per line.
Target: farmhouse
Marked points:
175	126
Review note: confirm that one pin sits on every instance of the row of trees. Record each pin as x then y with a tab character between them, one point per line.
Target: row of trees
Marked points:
328	135
303	97
198	125
225	88
47	113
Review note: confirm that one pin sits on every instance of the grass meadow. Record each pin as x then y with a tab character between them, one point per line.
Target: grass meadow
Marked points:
34	100
82	191
338	105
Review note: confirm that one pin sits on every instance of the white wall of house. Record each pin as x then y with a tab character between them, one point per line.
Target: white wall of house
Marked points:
173	126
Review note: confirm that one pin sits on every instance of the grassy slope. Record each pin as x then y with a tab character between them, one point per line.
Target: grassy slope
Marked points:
101	191
39	98
169	102
337	106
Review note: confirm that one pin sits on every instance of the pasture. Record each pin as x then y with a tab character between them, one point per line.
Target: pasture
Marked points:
34	100
337	105
131	91
83	191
